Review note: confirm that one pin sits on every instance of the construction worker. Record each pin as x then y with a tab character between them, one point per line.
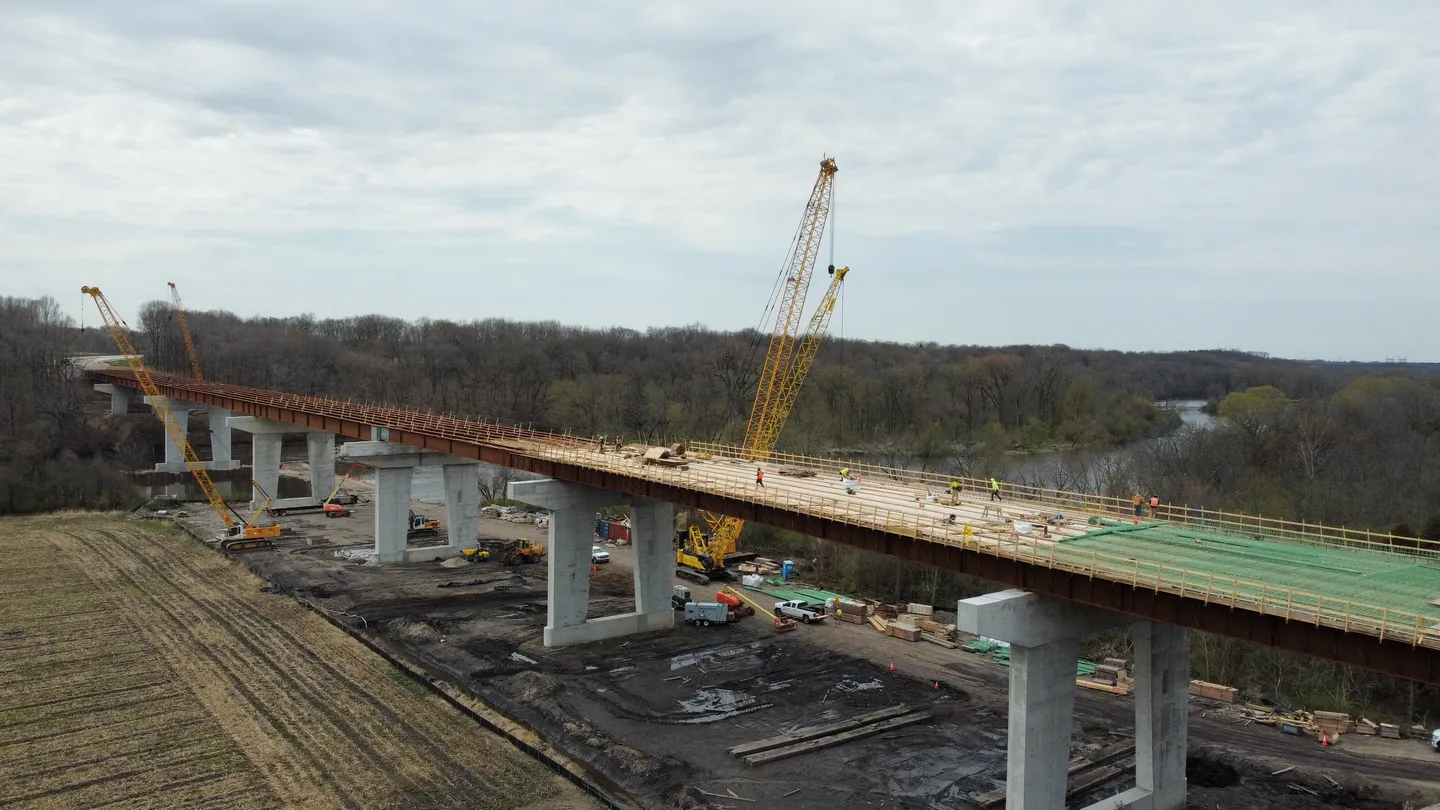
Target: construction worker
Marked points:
759	477
1154	505
618	441
844	473
954	492
994	489
1139	503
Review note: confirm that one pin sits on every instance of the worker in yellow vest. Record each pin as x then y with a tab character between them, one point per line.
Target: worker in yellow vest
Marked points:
954	492
844	473
994	489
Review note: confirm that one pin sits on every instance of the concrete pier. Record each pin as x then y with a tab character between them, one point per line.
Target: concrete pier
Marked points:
120	398
174	454
394	466
1044	636
320	452
221	457
572	533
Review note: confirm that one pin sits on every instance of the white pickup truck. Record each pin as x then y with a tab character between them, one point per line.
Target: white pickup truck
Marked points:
800	609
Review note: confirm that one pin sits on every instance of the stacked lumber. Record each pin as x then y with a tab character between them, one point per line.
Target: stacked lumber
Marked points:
904	631
916	609
666	457
1114	689
815	738
848	607
1213	691
939	640
1366	727
1333	723
849	618
1390	731
879	624
1106	674
796	472
888	611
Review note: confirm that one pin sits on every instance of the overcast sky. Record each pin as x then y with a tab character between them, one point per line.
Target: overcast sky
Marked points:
1126	175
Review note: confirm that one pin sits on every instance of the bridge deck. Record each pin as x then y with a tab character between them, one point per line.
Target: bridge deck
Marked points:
1348	582
1377	588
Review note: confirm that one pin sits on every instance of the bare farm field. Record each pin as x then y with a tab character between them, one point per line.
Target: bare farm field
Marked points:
139	669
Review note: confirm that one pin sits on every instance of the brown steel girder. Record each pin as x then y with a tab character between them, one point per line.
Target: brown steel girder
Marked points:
1388	656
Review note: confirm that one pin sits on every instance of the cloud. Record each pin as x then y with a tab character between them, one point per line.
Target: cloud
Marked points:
673	145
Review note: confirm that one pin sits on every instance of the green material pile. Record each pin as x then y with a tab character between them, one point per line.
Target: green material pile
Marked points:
1000	654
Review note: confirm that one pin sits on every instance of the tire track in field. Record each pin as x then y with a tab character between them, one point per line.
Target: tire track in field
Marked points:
296	691
427	728
265	735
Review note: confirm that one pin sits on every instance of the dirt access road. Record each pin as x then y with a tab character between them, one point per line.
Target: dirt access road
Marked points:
140	669
651	716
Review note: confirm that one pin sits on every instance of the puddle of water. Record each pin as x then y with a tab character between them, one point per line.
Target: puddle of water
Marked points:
723	658
850	685
710	705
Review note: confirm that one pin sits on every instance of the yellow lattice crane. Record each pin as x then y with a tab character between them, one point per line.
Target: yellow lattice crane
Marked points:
239	533
185	330
787	362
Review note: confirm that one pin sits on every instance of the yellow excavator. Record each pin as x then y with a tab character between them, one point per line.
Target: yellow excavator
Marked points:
700	555
240	534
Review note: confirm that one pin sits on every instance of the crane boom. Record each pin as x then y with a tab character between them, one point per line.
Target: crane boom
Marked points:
233	525
787	361
761	432
185	330
805	354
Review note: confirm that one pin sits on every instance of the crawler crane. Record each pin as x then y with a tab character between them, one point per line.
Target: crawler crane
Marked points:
699	556
240	533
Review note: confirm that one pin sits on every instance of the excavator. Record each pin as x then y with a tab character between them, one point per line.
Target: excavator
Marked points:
422	526
700	555
240	534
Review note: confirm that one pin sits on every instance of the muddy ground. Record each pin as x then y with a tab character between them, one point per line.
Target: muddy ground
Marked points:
653	715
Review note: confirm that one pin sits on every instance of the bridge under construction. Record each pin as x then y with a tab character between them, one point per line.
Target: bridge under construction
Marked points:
1077	562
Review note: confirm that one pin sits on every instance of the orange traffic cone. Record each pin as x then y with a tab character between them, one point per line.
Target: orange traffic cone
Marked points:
1324	738
892	667
937	684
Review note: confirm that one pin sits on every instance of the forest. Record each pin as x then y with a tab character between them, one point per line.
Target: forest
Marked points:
1339	443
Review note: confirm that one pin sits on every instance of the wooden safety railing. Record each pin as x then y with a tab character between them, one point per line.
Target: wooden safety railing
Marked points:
1228	522
1349	615
1293	605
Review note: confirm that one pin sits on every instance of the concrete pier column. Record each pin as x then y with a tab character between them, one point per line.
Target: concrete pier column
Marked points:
652	533
1042	710
120	398
392	509
320	452
221	457
1162	694
1044	635
462	503
394	465
572	533
266	437
174	453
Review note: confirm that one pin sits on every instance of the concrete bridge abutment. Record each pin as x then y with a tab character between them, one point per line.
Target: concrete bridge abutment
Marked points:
1044	635
572	533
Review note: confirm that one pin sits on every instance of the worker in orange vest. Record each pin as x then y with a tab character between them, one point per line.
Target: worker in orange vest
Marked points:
759	477
1154	505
